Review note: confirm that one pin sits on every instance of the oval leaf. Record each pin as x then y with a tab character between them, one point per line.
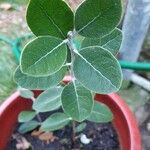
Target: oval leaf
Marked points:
77	101
43	56
25	93
55	122
28	126
26	116
102	72
110	42
48	100
100	113
50	17
39	83
96	18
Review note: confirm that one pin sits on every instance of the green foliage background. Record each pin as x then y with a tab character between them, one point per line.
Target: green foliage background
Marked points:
15	1
7	65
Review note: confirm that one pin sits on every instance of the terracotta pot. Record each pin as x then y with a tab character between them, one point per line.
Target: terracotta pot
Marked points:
124	120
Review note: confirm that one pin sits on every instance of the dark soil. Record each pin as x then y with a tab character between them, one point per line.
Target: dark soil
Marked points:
104	137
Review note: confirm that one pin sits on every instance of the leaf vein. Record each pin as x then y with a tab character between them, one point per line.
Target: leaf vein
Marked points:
51	20
90	22
39	60
94	68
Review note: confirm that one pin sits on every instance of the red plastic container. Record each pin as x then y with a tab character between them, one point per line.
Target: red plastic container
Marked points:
124	120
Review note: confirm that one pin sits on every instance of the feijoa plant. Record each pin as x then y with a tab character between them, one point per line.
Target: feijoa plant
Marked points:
93	66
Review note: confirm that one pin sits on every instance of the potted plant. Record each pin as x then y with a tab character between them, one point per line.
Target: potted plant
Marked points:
93	69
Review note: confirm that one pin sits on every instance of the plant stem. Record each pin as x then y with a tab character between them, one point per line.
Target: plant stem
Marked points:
37	114
73	132
72	50
39	118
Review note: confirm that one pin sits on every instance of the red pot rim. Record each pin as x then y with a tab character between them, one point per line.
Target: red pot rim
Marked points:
124	121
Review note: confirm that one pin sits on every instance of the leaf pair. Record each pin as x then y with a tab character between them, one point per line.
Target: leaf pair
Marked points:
46	55
48	101
52	123
91	66
99	65
25	117
93	18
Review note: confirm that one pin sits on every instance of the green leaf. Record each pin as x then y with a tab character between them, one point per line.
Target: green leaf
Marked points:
28	126
96	18
100	113
55	122
43	56
98	70
39	83
25	93
26	116
50	17
110	42
80	127
77	101
49	100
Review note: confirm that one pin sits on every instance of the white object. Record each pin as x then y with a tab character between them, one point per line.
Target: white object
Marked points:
148	126
140	81
84	139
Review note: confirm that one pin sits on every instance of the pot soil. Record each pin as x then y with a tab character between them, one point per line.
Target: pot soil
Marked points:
124	121
102	136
